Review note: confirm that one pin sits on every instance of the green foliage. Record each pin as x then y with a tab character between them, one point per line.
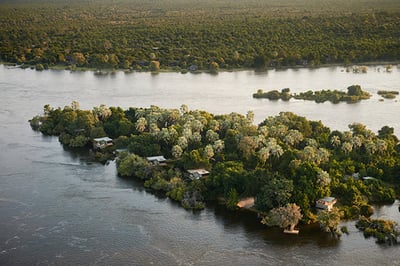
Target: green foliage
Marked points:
179	34
330	220
226	176
177	189
385	231
157	183
78	141
144	145
154	66
133	165
285	217
366	210
354	90
286	158
193	196
274	194
232	199
39	67
354	94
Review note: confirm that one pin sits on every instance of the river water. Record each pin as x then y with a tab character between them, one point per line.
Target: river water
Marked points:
59	208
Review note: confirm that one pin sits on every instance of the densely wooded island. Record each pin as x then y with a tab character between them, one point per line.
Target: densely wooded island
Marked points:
290	166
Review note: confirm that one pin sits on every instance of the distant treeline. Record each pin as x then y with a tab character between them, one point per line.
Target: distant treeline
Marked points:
140	36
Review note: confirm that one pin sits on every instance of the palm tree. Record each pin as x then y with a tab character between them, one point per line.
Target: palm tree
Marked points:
370	147
274	148
356	141
309	154
347	147
322	155
293	137
197	126
335	141
323	178
263	130
177	151
141	124
208	151
212	136
381	146
263	155
154	129
183	142
219	146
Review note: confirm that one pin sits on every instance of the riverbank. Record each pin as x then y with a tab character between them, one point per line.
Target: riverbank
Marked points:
108	71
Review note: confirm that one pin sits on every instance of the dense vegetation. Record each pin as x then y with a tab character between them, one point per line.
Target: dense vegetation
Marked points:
384	231
354	94
285	159
206	35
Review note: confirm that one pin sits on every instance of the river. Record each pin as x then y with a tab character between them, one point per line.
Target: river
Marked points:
59	208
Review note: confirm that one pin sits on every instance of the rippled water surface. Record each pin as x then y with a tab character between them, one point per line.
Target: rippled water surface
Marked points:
57	207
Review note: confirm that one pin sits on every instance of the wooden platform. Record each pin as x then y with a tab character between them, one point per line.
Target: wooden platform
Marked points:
292	232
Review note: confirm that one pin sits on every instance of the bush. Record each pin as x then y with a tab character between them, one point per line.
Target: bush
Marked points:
39	67
366	210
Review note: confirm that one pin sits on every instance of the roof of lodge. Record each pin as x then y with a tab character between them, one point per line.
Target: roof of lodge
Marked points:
102	139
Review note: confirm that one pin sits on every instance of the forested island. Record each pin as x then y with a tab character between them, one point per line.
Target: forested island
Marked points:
192	35
354	94
289	165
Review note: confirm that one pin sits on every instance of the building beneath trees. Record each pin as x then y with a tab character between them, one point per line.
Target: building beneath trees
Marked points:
325	203
156	160
197	173
101	143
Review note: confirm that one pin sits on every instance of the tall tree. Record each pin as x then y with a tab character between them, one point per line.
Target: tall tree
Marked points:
329	221
286	217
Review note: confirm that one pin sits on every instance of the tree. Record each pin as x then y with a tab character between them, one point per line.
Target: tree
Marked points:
78	59
218	146
293	137
329	221
183	142
214	66
335	141
141	124
247	146
232	199
354	90
177	151
274	148
154	66
102	112
208	151
212	136
285	217
347	147
259	62
275	193
263	155
133	165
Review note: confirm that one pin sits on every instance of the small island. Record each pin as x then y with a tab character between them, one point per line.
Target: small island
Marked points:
388	94
354	94
288	169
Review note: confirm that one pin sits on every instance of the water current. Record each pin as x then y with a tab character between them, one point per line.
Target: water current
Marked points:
59	208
